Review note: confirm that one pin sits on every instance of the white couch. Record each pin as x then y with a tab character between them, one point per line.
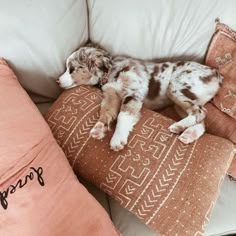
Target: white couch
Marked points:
36	37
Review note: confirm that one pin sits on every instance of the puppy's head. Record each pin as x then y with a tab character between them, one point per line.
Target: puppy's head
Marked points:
87	66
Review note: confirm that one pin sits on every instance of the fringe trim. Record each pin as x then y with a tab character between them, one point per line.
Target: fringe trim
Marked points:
218	22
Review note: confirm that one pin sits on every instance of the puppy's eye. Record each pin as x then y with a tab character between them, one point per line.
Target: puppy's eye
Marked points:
72	69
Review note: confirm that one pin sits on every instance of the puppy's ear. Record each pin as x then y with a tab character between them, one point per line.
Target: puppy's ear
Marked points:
101	61
82	55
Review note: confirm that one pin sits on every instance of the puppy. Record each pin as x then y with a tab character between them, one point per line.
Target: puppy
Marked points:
128	84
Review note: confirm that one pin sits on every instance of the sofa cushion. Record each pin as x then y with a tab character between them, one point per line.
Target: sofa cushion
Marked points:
223	217
39	193
167	30
37	37
156	177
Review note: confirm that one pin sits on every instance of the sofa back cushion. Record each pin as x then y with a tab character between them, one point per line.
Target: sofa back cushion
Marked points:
37	37
157	28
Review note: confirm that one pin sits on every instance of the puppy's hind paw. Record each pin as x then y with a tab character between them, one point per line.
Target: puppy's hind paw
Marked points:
188	136
176	128
186	139
192	133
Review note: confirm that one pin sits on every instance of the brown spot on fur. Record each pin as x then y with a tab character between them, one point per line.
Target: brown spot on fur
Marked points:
127	99
188	71
71	69
104	69
186	92
207	79
199	114
155	71
174	69
154	85
117	74
180	63
164	66
132	107
126	68
186	86
190	103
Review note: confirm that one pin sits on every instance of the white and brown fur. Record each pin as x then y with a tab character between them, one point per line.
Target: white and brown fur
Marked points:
132	83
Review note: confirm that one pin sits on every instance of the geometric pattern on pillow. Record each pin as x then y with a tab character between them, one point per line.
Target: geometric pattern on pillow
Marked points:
222	55
170	186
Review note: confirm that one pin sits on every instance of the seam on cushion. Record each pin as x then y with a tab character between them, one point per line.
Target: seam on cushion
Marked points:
228	233
109	207
88	20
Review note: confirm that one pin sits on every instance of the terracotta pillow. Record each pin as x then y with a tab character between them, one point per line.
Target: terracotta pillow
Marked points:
222	55
39	193
170	186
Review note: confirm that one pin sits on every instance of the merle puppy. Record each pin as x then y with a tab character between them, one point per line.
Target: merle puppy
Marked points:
128	84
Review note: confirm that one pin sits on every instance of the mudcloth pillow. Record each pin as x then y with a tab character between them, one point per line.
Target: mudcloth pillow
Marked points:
170	186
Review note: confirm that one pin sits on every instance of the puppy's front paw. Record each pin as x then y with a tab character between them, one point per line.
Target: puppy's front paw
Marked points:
176	128
98	131
118	142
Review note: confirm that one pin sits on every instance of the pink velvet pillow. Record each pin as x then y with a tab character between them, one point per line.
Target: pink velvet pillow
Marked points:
39	193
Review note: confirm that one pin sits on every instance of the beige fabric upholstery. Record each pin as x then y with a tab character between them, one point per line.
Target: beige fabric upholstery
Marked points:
158	28
223	219
37	37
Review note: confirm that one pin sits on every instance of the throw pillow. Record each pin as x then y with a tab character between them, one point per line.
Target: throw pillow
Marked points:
222	55
170	186
39	193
